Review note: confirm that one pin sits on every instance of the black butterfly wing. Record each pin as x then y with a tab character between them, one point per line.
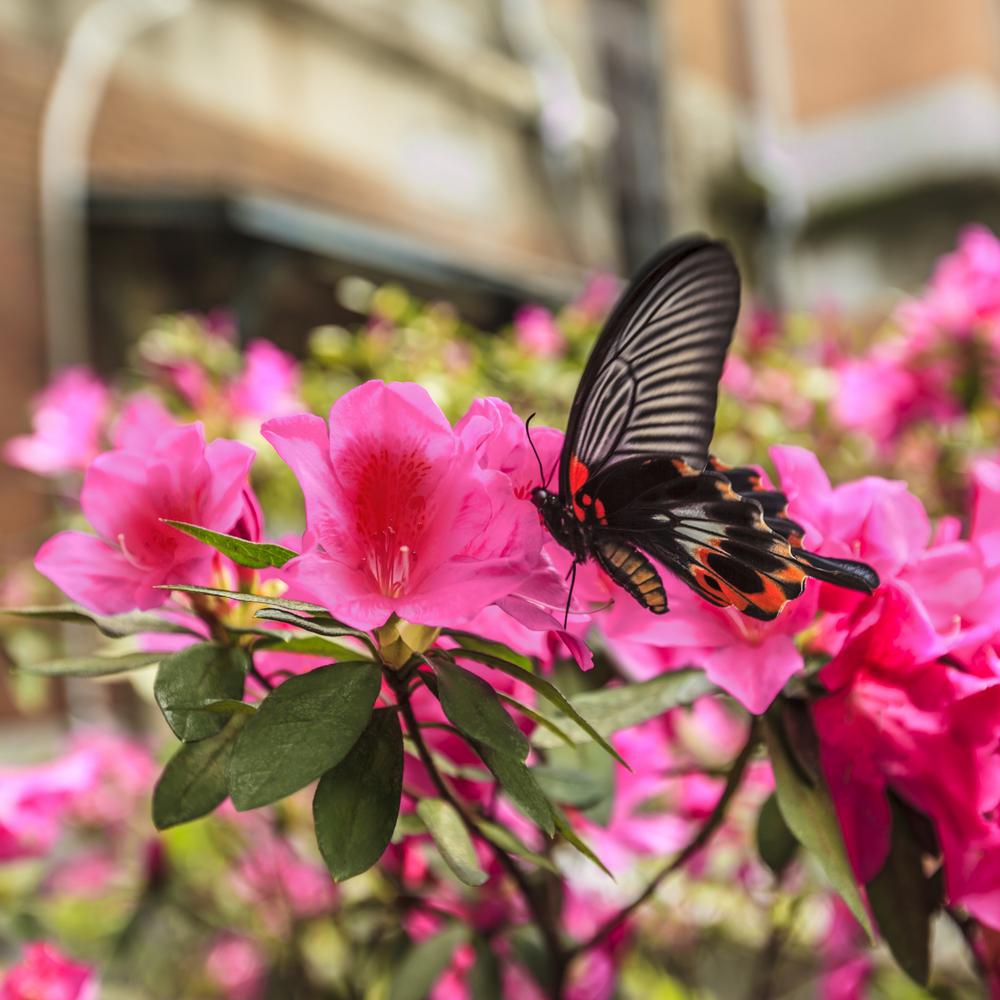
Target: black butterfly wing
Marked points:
848	573
698	527
720	531
651	384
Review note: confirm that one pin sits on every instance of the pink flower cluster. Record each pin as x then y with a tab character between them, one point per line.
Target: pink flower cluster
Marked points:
948	333
44	973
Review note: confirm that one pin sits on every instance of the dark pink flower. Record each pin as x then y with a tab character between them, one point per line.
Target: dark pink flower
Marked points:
898	719
44	973
401	515
125	496
67	421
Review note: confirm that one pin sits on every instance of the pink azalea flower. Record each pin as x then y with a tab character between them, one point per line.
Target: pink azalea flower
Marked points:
750	659
876	520
964	292
125	497
401	516
273	876
898	719
537	332
236	965
44	973
597	298
35	801
142	421
268	385
67	420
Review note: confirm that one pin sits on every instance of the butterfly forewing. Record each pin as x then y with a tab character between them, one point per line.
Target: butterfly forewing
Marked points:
650	386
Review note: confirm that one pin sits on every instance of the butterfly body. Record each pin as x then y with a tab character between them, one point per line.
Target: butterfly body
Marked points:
637	487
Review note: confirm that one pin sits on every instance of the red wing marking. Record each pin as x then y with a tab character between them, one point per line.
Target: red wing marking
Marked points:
578	474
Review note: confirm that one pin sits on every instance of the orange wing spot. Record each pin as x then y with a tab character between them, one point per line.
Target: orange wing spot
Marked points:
773	599
717	591
682	467
717	465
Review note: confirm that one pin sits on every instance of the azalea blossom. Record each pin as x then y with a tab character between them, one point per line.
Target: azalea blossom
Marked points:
67	419
898	719
268	386
537	332
44	973
125	497
401	516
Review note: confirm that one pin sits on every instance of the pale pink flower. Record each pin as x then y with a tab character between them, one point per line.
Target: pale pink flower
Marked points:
44	973
67	420
236	965
125	496
401	516
275	877
537	332
268	385
597	298
142	421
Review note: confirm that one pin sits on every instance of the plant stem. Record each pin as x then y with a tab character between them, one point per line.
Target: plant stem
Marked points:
536	906
712	822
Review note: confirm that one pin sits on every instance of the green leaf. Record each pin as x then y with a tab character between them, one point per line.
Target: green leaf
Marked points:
611	709
301	730
92	666
473	706
255	555
452	839
512	844
469	641
546	690
235	595
485	980
903	899
357	802
569	786
424	964
776	844
520	785
320	625
542	720
113	626
194	781
808	810
311	645
198	674
572	838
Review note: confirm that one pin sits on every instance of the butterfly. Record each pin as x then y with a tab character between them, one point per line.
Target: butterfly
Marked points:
637	485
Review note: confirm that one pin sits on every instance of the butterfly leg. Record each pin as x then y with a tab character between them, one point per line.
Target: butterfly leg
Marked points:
571	575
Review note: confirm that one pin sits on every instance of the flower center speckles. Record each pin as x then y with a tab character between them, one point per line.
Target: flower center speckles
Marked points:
390	489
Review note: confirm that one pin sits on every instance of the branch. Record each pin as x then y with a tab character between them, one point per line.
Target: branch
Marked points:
712	822
536	907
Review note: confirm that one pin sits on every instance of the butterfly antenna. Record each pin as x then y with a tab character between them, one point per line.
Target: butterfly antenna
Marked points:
538	458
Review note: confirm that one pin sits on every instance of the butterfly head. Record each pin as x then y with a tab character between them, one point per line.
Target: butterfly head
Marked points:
544	500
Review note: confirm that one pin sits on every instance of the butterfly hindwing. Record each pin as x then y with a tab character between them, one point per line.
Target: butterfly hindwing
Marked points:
700	528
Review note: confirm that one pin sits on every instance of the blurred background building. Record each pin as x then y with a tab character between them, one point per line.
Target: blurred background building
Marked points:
158	155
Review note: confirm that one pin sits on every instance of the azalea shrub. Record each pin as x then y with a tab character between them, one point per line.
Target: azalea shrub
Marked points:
396	757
